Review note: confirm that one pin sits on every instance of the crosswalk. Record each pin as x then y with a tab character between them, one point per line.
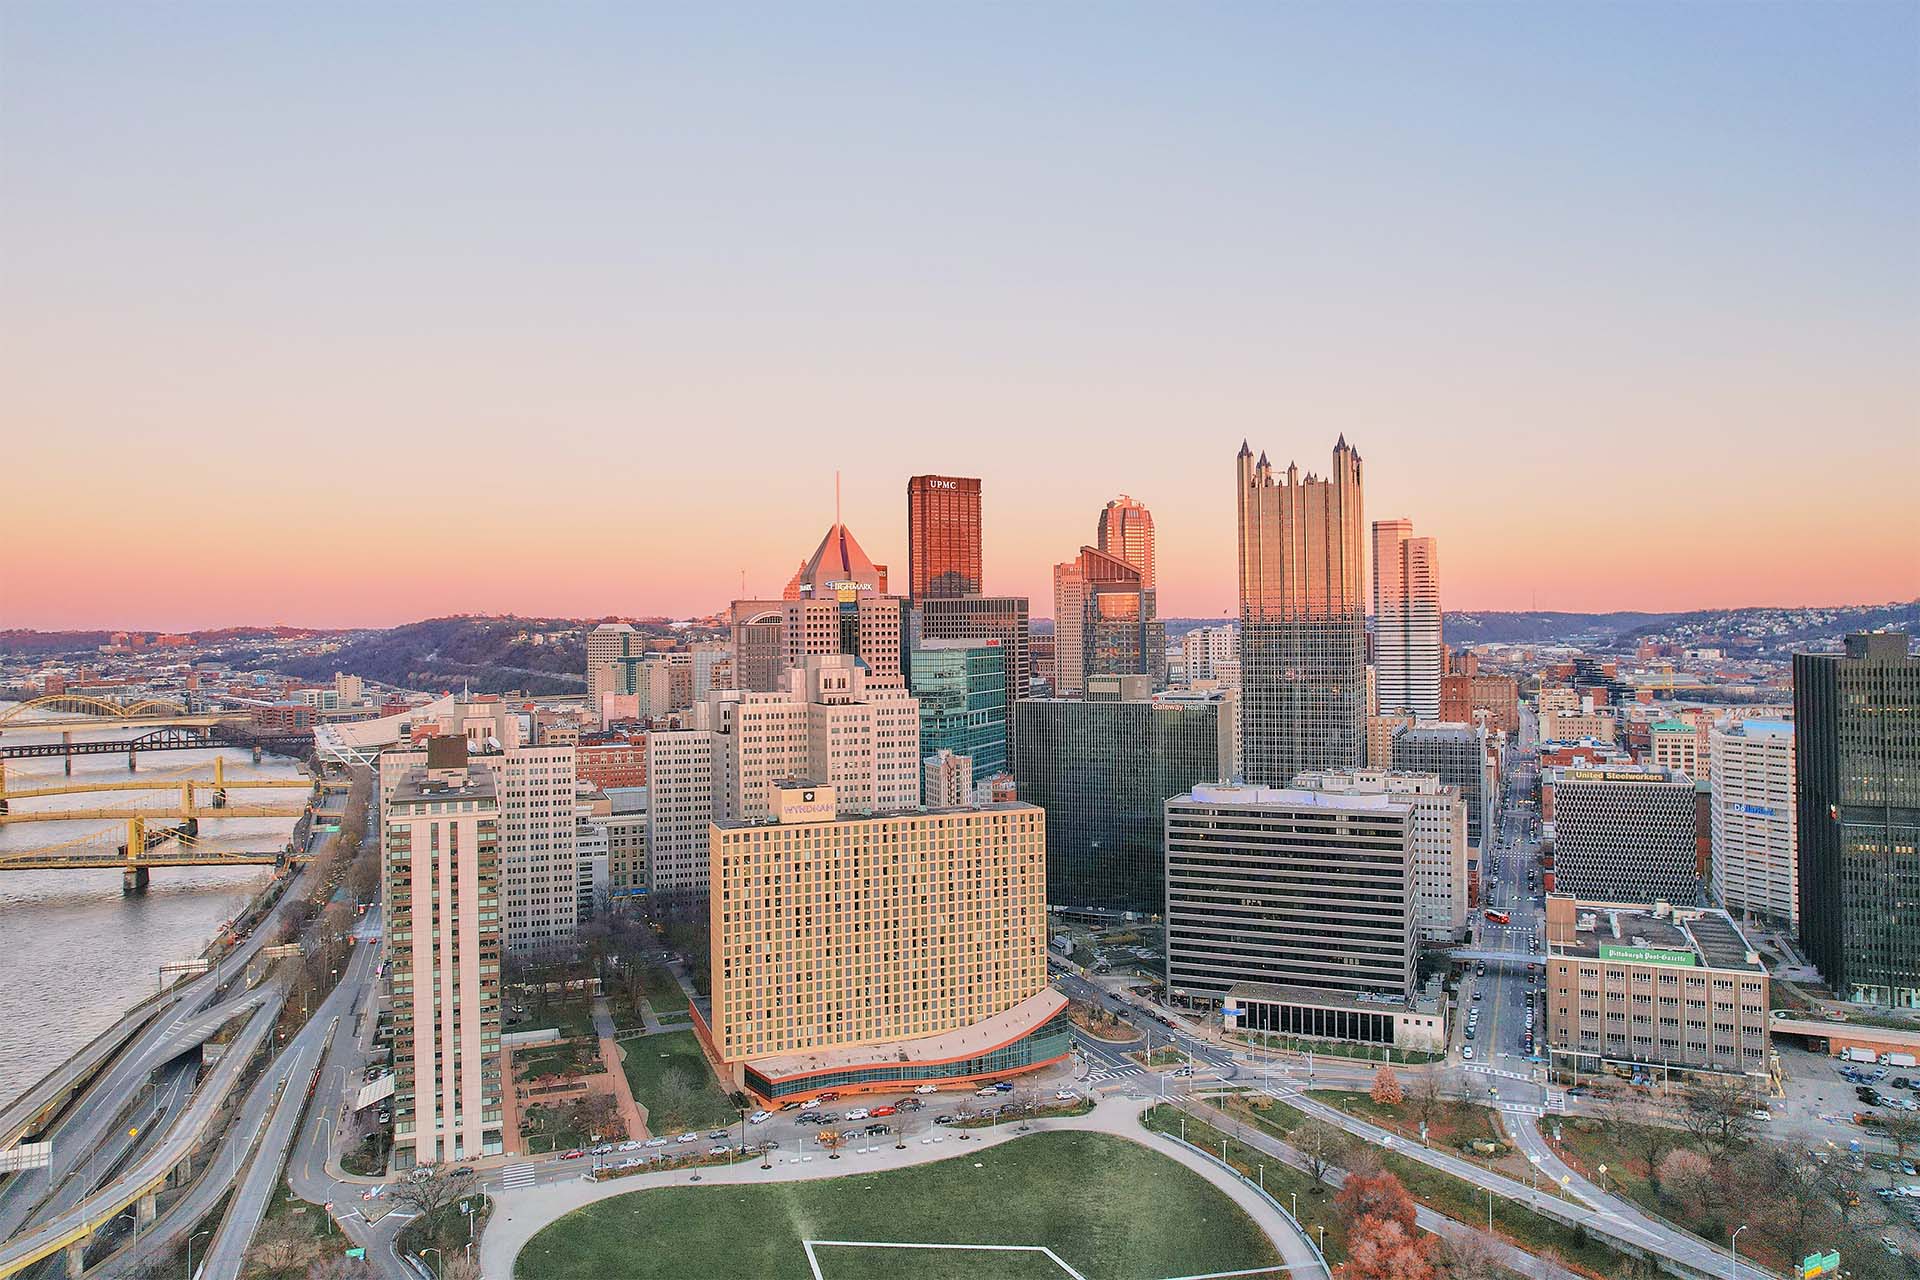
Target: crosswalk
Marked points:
1523	1108
1102	1073
518	1177
1485	1070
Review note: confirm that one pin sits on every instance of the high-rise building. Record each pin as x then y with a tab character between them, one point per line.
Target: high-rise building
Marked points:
1207	648
1856	724
1106	621
998	620
1407	651
1303	635
1126	531
1297	907
832	721
1625	835
838	569
772	638
1673	744
441	832
928	966
534	787
614	652
1466	696
946	781
943	536
1460	755
1439	841
1102	766
962	689
1755	855
1381	731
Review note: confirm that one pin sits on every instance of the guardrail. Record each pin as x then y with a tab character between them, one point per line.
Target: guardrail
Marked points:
24	1111
1260	1191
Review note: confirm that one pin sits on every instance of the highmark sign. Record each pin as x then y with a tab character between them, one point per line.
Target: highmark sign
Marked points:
1647	955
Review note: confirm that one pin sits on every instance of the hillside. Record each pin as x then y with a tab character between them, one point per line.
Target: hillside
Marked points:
486	655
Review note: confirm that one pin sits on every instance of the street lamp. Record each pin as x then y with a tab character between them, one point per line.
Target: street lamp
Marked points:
442	1258
1735	1242
190	1239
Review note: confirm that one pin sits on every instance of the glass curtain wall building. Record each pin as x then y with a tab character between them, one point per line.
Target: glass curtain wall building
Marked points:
962	687
1303	641
1856	718
1103	770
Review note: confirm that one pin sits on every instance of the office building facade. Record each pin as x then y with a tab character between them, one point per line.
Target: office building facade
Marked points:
1755	863
1301	559
1856	721
1291	889
1102	767
1408	654
868	952
961	686
1625	835
441	835
1458	753
1439	841
1663	992
1106	622
999	620
1126	531
943	536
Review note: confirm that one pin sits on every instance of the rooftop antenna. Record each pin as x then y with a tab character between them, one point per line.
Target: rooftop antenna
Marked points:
836	497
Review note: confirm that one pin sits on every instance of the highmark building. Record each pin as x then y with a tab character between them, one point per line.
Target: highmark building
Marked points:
865	952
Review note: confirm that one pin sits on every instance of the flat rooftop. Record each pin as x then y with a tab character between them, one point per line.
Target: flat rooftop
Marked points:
417	786
1710	937
949	1046
1295	798
1004	806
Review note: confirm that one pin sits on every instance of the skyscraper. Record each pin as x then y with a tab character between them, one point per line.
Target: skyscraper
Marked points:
1126	531
999	619
1106	621
441	834
1407	650
1302	618
962	689
1856	743
943	536
1755	855
1102	767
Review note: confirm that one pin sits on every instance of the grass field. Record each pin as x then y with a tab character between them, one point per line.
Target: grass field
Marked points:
1110	1208
651	1058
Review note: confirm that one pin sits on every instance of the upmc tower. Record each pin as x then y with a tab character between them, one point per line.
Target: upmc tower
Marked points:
943	537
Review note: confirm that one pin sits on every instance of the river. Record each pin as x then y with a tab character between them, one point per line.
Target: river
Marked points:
75	951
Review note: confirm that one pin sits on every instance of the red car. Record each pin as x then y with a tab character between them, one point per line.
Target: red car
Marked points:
882	1111
575	1154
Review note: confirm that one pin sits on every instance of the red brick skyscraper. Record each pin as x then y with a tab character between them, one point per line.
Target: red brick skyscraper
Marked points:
1126	531
943	537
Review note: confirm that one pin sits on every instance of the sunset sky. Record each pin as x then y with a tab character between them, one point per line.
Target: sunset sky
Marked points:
355	314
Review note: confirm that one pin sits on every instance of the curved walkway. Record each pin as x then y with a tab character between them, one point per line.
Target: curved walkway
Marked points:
518	1215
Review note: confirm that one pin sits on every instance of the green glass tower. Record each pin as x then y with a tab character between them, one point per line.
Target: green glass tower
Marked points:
962	688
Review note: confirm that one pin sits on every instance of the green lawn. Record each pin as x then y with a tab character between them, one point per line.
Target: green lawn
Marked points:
1464	1202
1110	1208
651	1058
663	992
1453	1123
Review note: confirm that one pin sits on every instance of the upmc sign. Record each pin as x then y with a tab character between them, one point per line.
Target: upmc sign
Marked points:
943	484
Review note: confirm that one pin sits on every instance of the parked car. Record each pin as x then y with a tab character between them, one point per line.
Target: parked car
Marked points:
883	1111
811	1104
655	1142
925	1088
911	1104
718	1133
685	1138
943	1119
760	1117
575	1154
1467	1053
858	1113
1066	1095
1006	1086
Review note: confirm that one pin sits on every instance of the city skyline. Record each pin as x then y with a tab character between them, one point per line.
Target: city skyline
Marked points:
1685	262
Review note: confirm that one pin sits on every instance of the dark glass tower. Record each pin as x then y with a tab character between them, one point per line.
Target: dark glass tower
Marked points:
1103	768
1856	741
1303	630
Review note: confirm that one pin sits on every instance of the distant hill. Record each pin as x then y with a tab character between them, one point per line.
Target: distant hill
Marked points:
1475	626
486	655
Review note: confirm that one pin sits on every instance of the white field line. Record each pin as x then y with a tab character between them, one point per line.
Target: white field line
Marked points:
814	1263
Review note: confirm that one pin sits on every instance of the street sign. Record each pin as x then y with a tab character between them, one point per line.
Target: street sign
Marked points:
27	1155
356	1253
1819	1264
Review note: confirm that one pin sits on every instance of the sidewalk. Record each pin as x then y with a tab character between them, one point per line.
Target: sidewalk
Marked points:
520	1214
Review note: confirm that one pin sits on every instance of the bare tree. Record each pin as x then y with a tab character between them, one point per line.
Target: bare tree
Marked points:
430	1191
1796	1209
1319	1145
671	1098
1470	1255
281	1247
1636	1125
1903	1130
1425	1096
341	1267
1718	1111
